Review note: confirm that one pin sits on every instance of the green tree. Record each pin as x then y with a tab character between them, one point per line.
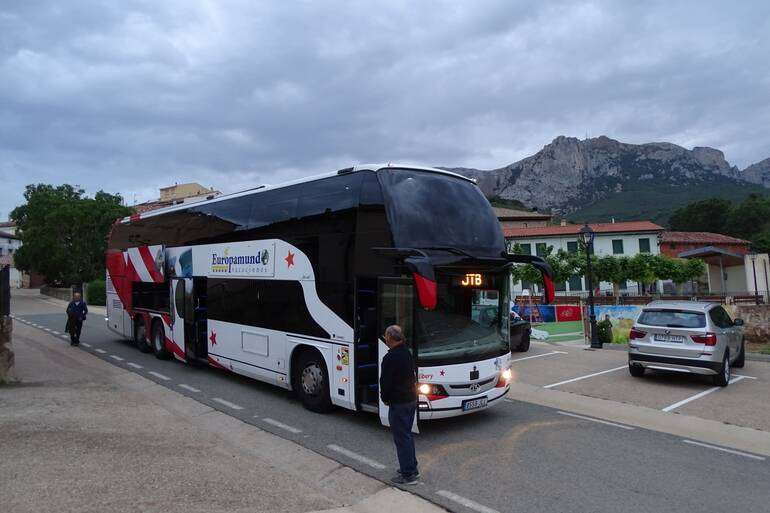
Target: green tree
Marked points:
749	217
64	233
611	269
641	269
709	215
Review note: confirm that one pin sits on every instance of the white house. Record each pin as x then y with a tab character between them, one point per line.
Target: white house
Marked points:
621	239
9	244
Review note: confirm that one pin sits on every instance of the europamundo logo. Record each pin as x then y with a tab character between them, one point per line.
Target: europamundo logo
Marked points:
246	264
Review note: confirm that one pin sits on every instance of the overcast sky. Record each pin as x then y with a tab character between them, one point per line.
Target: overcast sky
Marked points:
130	96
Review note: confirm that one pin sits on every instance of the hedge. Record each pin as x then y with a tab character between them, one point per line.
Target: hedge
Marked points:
96	293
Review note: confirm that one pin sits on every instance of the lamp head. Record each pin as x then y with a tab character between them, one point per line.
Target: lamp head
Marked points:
586	235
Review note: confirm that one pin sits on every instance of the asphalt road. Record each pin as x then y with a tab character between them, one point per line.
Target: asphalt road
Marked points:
515	457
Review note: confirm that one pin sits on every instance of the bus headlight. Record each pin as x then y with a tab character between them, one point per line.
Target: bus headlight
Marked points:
431	391
505	378
507	374
424	389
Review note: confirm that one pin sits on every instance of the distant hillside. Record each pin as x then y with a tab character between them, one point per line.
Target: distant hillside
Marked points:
600	178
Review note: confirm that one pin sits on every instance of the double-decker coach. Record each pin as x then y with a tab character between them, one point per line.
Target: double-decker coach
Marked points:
294	285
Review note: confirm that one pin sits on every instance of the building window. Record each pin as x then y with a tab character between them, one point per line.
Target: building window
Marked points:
526	249
541	249
561	286
644	245
575	283
617	247
572	247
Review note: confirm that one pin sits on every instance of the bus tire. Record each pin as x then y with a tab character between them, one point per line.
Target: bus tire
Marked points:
311	381
140	335
159	341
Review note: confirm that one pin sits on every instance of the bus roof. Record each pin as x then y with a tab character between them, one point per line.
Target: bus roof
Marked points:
265	187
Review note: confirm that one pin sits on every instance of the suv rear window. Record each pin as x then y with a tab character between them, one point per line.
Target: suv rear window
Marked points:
672	318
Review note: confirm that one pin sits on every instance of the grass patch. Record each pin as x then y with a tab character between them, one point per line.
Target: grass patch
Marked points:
560	328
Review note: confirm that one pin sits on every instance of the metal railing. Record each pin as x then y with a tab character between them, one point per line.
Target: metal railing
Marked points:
625	298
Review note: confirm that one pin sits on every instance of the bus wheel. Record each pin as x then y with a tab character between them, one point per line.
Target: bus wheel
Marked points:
140	335
312	382
159	342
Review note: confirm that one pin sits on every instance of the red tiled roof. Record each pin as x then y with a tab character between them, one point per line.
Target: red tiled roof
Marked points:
509	213
700	238
573	229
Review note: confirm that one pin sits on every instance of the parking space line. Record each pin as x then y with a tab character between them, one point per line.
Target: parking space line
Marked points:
579	378
188	387
84	344
459	499
698	395
227	403
743	376
159	376
134	365
100	351
115	357
539	355
731	451
355	456
600	421
56	333
281	425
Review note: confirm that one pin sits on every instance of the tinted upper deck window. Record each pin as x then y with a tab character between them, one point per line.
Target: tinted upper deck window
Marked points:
432	209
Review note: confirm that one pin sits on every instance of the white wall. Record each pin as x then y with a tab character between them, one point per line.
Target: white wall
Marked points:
762	266
602	247
9	246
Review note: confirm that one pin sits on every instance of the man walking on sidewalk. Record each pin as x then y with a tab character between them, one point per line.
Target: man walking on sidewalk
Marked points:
76	314
398	389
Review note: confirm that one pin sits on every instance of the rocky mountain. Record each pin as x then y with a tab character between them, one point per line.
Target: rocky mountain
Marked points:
600	178
758	173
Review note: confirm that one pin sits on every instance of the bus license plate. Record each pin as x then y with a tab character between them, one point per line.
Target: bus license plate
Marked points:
474	404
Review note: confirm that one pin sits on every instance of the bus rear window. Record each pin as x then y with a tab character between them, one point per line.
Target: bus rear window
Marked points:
673	319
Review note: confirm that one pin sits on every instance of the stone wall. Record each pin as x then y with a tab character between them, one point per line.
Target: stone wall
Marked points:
6	355
59	293
757	322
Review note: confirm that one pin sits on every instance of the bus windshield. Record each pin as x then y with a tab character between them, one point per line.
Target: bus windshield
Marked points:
470	321
427	209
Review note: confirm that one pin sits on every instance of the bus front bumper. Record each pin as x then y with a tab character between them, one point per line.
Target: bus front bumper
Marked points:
454	406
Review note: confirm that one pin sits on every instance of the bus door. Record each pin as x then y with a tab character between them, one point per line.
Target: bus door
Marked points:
190	319
395	306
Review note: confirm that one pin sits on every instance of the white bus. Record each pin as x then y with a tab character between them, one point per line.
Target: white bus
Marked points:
295	284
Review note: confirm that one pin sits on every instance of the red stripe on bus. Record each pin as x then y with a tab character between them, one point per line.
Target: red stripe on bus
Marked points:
149	263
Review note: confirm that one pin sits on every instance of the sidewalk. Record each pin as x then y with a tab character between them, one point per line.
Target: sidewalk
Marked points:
78	434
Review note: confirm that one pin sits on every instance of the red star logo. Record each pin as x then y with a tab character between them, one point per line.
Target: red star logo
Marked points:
442	372
213	338
289	259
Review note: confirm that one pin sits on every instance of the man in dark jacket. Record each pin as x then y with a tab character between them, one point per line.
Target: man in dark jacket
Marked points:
76	314
398	389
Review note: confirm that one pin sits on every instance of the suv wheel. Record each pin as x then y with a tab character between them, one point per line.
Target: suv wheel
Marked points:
636	371
723	378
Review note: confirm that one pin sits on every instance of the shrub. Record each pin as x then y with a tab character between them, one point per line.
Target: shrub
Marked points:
96	292
604	331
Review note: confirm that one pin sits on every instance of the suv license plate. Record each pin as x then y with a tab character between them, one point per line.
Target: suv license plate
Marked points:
669	338
474	404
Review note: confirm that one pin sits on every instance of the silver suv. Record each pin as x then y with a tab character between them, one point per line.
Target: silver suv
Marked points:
686	336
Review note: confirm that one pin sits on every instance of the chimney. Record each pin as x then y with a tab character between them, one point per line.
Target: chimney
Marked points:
563	222
613	220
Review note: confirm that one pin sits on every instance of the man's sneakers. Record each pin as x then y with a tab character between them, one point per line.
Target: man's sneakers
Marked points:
400	479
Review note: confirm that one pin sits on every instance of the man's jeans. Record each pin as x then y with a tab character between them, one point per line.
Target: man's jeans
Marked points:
401	417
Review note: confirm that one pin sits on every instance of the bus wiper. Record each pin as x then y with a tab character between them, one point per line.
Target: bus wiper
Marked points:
449	249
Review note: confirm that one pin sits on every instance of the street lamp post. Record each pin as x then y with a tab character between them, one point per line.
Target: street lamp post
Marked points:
753	257
586	235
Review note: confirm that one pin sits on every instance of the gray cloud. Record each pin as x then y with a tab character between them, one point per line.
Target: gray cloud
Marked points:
135	95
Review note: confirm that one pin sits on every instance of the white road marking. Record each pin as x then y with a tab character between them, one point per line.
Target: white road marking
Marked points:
600	421
84	344
355	456
584	377
731	451
459	499
743	376
227	403
56	333
134	365
49	330
188	387
65	337
160	376
539	355
699	395
281	425
118	358
101	351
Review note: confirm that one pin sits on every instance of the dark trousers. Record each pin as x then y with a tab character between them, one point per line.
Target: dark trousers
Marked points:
75	328
401	417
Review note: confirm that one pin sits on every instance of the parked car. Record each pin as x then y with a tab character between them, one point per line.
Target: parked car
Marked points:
521	331
686	336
